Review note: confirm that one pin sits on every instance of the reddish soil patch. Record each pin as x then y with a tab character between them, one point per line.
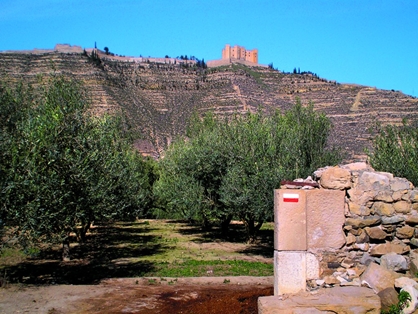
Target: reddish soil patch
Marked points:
207	295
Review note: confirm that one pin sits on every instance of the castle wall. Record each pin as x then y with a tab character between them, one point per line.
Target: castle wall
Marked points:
66	48
221	62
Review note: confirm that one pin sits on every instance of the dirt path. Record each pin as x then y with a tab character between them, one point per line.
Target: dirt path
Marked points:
203	295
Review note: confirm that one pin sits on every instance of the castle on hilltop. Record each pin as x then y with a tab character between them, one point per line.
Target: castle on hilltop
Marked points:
240	53
230	54
236	54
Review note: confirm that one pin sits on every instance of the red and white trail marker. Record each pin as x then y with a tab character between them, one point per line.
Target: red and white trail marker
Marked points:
290	197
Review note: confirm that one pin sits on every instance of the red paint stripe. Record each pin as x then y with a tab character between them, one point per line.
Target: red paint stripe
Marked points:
291	200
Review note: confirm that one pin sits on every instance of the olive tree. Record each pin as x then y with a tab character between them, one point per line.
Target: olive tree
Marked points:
228	168
395	150
67	167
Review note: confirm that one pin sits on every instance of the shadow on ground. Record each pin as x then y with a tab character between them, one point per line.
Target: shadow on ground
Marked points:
105	254
263	244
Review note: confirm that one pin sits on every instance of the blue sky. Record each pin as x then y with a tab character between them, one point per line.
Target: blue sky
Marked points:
373	42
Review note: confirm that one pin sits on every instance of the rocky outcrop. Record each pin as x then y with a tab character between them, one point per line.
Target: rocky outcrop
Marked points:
159	97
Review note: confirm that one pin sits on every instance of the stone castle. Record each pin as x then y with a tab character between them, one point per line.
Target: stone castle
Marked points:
236	54
240	53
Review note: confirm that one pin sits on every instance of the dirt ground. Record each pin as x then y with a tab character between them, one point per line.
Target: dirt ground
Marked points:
203	295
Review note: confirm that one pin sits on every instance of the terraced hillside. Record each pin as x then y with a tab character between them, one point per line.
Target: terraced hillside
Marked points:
159	98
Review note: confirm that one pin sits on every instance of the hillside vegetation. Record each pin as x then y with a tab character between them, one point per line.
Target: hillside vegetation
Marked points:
160	98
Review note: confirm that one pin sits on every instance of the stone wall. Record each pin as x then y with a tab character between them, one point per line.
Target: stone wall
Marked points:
221	62
380	229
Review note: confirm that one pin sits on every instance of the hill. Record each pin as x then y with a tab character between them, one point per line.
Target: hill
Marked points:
160	97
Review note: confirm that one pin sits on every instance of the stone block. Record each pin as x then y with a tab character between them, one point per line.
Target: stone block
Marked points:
359	210
414	196
412	220
369	181
325	219
357	166
414	242
348	300
336	178
402	207
362	222
405	232
289	272
404	281
399	195
376	233
389	247
290	220
363	237
383	209
312	267
413	264
360	196
377	278
393	220
350	239
394	262
384	196
399	184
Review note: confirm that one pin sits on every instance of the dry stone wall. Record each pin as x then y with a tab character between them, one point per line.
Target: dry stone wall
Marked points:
380	250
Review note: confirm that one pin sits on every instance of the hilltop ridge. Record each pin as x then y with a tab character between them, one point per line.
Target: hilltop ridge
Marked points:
160	95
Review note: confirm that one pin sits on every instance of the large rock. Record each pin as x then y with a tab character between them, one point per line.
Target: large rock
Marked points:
404	281
375	180
405	232
413	304
348	300
414	242
412	220
377	278
393	220
336	178
362	222
350	239
402	207
360	196
414	196
383	209
395	262
384	196
357	166
376	233
388	297
400	184
389	247
359	210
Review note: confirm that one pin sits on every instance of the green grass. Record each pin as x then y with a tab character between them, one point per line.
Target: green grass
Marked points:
194	268
145	248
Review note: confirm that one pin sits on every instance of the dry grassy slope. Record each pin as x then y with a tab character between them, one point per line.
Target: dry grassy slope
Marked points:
159	98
